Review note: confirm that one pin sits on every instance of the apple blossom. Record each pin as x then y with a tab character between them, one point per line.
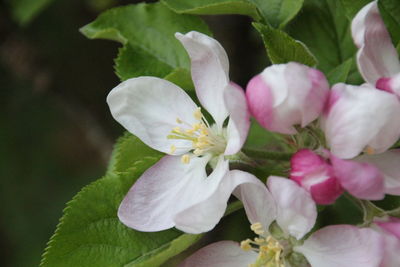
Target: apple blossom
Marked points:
377	58
285	95
282	244
177	191
360	118
389	228
326	176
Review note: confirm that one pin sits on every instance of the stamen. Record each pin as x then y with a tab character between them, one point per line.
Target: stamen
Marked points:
185	159
245	245
197	114
173	149
257	228
179	121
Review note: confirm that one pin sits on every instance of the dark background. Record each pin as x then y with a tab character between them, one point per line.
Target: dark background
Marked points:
56	132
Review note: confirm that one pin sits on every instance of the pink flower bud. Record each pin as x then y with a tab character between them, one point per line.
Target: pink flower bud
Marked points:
286	95
316	175
391	85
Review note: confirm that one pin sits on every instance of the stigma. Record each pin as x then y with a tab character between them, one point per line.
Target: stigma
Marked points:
203	137
270	251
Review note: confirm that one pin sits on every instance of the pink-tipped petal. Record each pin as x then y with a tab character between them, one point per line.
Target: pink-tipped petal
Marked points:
344	246
296	211
260	101
390	84
239	118
166	189
313	173
391	226
204	215
220	254
361	116
148	107
377	57
388	165
258	203
286	95
209	67
362	180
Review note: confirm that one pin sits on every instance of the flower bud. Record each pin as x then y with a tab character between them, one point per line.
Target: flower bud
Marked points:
285	95
316	175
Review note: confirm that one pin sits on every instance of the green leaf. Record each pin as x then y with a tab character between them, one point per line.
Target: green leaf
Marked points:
324	28
147	33
390	12
278	12
182	78
90	234
281	48
213	7
351	7
24	11
341	72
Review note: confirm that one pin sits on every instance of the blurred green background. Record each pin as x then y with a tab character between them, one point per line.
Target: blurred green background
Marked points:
56	133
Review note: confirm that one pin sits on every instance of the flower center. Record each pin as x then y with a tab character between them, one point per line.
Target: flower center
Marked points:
268	248
203	137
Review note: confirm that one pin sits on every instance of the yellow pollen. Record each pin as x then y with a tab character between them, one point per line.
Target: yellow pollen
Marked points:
245	245
369	150
185	159
197	114
173	149
268	248
176	130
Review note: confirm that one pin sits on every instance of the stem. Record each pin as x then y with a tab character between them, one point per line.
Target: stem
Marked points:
232	207
263	154
394	212
368	208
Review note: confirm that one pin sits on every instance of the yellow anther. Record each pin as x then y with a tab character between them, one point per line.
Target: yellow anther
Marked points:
257	228
185	159
197	114
190	131
245	245
173	149
198	151
196	126
176	130
179	120
369	150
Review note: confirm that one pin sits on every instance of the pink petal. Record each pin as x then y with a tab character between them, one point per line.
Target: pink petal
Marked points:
298	94
148	107
220	254
296	211
239	118
166	189
390	84
314	174
388	165
210	67
361	116
344	246
391	226
362	180
377	57
204	215
258	203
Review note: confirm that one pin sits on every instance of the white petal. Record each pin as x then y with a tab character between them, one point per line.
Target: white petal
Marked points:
204	215
389	164
296	211
221	254
239	118
166	189
210	68
148	107
377	57
361	116
358	24
344	246
258	203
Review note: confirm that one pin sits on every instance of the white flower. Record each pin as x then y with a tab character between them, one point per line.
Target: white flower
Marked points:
177	191
295	213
